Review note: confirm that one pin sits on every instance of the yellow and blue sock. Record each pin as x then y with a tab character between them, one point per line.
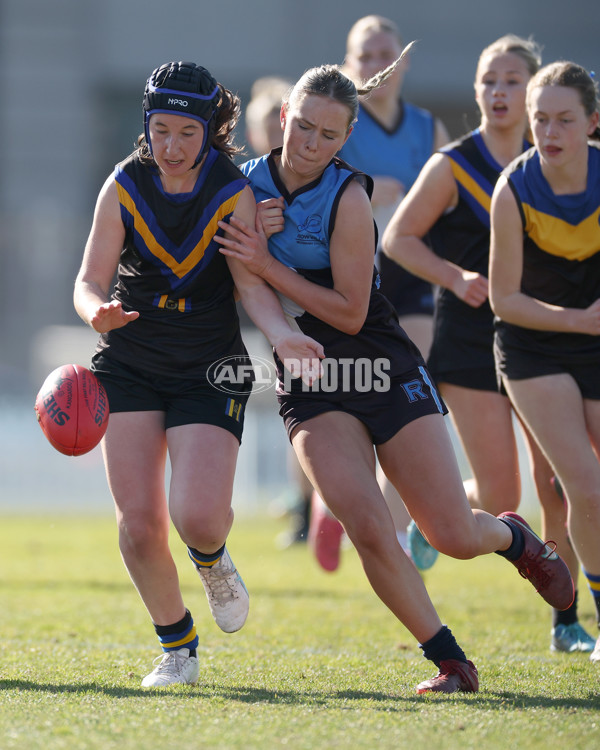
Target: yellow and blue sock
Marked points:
594	584
180	634
202	560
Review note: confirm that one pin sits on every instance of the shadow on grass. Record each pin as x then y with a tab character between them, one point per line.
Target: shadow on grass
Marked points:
250	695
341	699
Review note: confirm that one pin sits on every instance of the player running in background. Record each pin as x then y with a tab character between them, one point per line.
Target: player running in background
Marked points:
379	399
171	315
450	205
545	289
263	128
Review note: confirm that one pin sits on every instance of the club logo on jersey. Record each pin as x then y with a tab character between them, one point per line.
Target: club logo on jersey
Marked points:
309	232
312	224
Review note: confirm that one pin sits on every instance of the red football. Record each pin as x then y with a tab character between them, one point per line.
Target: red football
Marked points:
72	409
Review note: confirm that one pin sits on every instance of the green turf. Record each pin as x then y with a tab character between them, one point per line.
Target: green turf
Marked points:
320	663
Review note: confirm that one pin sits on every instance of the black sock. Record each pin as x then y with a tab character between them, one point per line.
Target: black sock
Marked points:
515	550
566	616
442	646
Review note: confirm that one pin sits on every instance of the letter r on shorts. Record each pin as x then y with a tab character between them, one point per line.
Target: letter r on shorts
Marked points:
414	390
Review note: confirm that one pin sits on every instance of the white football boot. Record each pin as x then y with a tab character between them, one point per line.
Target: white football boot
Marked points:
173	668
227	596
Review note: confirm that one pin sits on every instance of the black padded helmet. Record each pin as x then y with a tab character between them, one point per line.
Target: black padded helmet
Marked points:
182	88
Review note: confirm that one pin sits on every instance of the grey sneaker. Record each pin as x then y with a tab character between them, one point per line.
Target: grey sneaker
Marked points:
227	596
173	668
595	655
571	638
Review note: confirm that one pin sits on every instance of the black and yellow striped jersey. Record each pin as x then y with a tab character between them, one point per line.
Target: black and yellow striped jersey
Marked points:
463	335
561	255
171	270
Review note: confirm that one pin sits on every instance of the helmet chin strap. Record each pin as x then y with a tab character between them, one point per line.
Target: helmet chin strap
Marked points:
209	129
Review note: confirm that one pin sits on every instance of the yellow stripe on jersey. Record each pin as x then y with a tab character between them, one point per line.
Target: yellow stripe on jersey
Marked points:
179	268
471	186
558	237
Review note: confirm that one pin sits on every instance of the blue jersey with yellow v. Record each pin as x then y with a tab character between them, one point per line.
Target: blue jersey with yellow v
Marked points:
561	258
563	225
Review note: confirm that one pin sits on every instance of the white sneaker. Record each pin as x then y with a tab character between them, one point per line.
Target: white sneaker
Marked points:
227	596
174	667
595	655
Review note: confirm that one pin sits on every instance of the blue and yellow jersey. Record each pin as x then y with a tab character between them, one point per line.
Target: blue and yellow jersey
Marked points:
561	255
463	335
171	270
462	235
562	233
170	238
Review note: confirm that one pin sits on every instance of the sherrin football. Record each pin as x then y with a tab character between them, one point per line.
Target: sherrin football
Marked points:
72	409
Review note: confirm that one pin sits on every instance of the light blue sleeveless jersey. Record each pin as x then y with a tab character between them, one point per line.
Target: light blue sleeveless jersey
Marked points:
309	213
399	153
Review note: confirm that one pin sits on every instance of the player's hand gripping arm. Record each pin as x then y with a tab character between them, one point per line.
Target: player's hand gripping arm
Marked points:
300	354
351	253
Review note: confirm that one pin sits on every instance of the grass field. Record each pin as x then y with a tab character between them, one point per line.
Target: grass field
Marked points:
320	663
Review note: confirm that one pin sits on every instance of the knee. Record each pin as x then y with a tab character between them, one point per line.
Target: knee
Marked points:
141	536
205	531
464	545
365	533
